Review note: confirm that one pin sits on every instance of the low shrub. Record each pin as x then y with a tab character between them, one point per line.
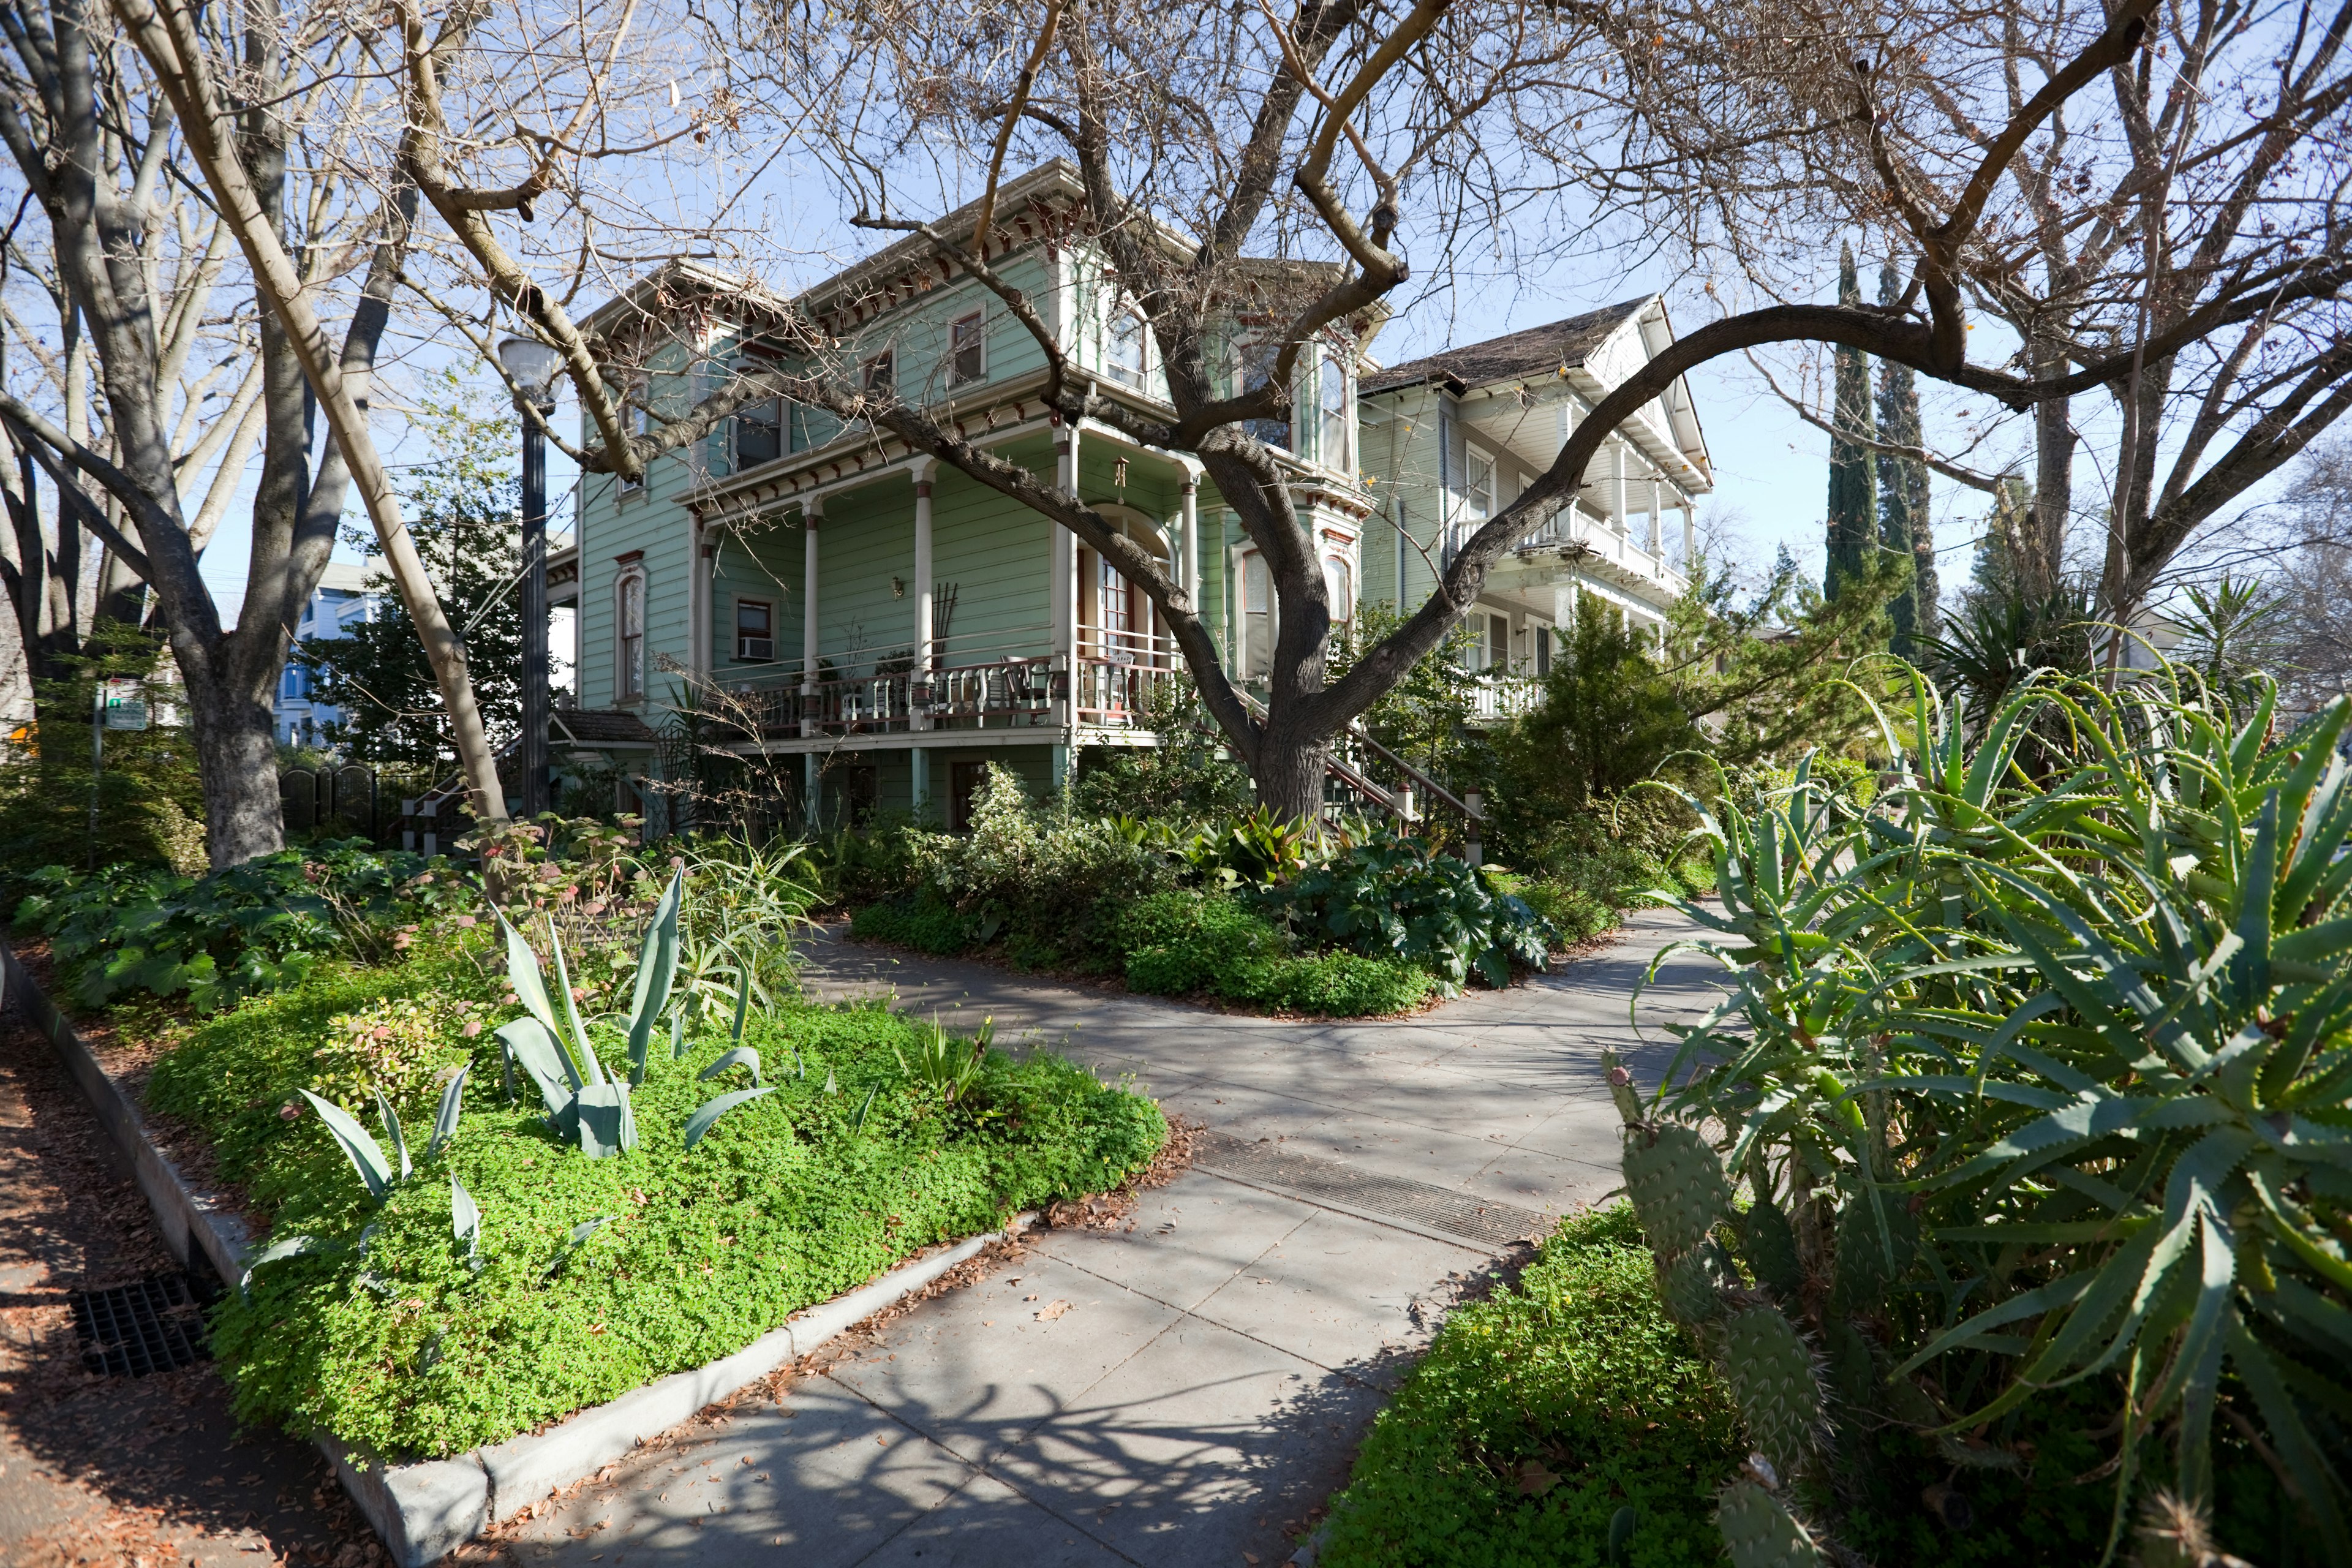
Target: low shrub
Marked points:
1034	872
1191	940
923	920
1536	1416
1387	897
227	934
401	1047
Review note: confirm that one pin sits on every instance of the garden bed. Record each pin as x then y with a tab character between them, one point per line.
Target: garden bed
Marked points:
1541	1414
504	1293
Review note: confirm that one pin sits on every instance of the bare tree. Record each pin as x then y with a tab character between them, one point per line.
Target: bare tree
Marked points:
1201	134
2318	572
2168	241
1252	174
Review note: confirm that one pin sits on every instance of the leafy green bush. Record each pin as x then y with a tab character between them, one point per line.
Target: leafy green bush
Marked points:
255	927
1540	1413
585	1277
2038	1077
1388	897
923	920
1033	873
1190	941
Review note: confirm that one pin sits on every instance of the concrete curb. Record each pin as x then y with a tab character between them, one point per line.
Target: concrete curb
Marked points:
425	1511
193	1222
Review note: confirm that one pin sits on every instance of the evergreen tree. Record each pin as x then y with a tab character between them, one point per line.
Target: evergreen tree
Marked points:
1905	526
1854	505
462	506
1991	578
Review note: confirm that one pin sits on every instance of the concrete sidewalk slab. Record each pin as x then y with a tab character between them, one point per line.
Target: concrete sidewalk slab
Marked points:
1219	1358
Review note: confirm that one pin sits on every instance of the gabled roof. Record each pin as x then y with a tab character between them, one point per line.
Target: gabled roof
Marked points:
1537	351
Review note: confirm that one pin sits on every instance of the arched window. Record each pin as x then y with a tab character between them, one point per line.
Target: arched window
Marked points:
629	636
1339	587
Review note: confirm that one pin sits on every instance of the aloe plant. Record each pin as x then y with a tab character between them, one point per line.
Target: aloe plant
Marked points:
585	1104
2045	1073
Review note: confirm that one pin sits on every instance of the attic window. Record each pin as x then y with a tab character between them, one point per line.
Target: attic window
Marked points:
879	372
967	351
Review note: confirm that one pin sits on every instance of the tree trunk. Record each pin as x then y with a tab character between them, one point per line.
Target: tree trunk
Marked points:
236	755
1290	773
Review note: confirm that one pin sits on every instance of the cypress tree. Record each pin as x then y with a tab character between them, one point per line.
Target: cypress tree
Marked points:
1905	526
1853	504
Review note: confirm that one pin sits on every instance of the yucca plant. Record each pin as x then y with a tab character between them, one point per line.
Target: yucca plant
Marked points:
586	1105
2034	1079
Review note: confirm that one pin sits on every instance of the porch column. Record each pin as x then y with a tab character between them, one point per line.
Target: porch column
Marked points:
1191	572
1690	534
1657	517
812	513
1617	513
698	602
1064	566
919	765
922	674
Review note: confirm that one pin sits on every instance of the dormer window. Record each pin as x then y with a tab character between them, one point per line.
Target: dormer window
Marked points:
1128	352
968	350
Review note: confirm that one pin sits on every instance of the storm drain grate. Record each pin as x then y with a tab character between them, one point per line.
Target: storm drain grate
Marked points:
150	1325
1442	1209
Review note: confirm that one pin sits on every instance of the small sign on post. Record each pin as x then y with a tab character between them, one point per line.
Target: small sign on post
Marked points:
126	706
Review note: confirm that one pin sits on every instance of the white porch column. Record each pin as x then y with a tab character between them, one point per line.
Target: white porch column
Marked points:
1690	534
1618	517
812	513
1064	562
1190	573
1657	517
922	596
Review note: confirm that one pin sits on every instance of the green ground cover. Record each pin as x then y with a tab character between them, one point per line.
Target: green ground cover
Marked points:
1541	1413
588	1277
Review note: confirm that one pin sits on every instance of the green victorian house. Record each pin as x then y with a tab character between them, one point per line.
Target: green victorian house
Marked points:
896	625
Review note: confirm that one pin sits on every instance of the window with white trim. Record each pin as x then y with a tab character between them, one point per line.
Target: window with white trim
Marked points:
637	419
1339	588
629	636
759	434
1258	364
1127	348
755	631
1335	437
1257	616
968	350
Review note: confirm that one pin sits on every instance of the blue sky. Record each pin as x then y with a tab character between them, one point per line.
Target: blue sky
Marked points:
1771	467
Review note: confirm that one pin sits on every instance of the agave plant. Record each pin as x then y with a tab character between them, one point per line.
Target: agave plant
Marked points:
380	1172
586	1105
2035	1078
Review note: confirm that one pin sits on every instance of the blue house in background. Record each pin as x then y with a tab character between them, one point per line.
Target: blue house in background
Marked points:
340	602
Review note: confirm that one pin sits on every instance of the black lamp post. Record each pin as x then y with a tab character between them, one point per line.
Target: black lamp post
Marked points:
534	365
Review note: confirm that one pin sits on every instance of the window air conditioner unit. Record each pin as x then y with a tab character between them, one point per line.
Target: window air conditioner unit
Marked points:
760	650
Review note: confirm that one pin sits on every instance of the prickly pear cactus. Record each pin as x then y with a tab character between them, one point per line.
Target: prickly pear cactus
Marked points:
1758	1531
1678	1185
1690	1284
1771	1243
1773	1378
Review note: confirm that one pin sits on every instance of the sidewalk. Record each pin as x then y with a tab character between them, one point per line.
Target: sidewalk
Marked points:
1184	1390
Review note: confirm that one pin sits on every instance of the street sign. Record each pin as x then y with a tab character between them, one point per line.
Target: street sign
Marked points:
126	706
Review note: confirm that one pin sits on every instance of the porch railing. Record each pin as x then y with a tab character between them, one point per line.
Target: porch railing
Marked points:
1109	685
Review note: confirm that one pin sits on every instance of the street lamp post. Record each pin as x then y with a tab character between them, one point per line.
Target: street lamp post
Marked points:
533	365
